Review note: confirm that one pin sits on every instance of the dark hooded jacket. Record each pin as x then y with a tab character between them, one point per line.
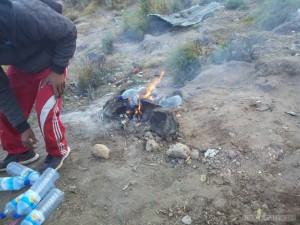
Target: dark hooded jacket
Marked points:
33	37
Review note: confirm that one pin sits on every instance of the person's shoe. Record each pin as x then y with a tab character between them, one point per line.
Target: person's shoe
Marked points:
25	158
53	162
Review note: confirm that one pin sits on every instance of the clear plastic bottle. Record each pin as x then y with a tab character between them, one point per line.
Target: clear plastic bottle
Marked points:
10	207
45	208
37	191
171	102
12	183
16	169
133	95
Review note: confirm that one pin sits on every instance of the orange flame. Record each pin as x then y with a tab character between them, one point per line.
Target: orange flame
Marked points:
152	86
148	95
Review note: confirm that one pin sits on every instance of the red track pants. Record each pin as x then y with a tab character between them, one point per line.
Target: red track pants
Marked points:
26	87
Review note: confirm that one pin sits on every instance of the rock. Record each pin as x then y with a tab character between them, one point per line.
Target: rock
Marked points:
232	154
238	163
265	207
255	205
178	151
187	219
101	151
148	135
180	161
151	146
195	154
164	122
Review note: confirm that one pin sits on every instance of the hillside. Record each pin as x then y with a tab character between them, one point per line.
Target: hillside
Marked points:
246	106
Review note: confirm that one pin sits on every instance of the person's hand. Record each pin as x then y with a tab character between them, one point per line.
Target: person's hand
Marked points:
28	138
57	81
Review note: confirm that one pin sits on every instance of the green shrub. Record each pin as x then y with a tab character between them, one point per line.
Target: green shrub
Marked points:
115	4
108	43
134	24
88	77
235	4
183	63
273	13
72	14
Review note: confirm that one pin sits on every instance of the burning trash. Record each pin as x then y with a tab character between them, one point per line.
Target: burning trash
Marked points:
136	99
143	104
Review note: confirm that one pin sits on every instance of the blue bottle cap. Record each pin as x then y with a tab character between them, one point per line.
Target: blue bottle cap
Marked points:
27	182
120	98
16	216
2	215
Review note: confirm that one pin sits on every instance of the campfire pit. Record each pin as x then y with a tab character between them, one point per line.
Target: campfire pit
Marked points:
140	106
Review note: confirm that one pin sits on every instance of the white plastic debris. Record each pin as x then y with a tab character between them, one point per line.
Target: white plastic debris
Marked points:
187	219
211	153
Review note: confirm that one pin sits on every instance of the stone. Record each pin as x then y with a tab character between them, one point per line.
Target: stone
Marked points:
152	146
101	151
187	219
148	135
232	154
178	151
180	161
164	122
195	154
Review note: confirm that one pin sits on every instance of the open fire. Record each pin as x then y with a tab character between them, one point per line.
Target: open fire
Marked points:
137	100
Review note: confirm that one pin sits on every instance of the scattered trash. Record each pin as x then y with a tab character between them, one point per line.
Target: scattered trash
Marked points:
291	113
187	219
188	17
203	178
127	185
211	153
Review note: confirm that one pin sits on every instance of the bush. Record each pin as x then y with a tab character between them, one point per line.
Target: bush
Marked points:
235	4
115	4
108	44
274	13
72	14
135	24
184	64
88	77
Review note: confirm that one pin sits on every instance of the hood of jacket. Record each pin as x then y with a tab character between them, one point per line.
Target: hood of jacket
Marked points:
6	20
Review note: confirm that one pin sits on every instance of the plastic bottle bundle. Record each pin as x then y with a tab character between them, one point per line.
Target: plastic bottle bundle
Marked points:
171	102
38	190
45	208
133	95
12	183
16	169
10	207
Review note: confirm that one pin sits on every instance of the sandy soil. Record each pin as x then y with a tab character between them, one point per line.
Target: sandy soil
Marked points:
239	108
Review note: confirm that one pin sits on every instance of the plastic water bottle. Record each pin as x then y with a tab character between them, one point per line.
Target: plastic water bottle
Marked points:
171	102
37	191
12	183
10	207
16	169
45	208
133	95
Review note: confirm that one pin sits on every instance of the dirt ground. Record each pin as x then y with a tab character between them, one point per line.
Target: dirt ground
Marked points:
240	108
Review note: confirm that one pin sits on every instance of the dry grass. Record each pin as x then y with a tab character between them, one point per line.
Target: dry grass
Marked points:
153	62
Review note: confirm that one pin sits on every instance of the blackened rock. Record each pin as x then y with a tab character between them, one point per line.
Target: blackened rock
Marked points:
164	122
